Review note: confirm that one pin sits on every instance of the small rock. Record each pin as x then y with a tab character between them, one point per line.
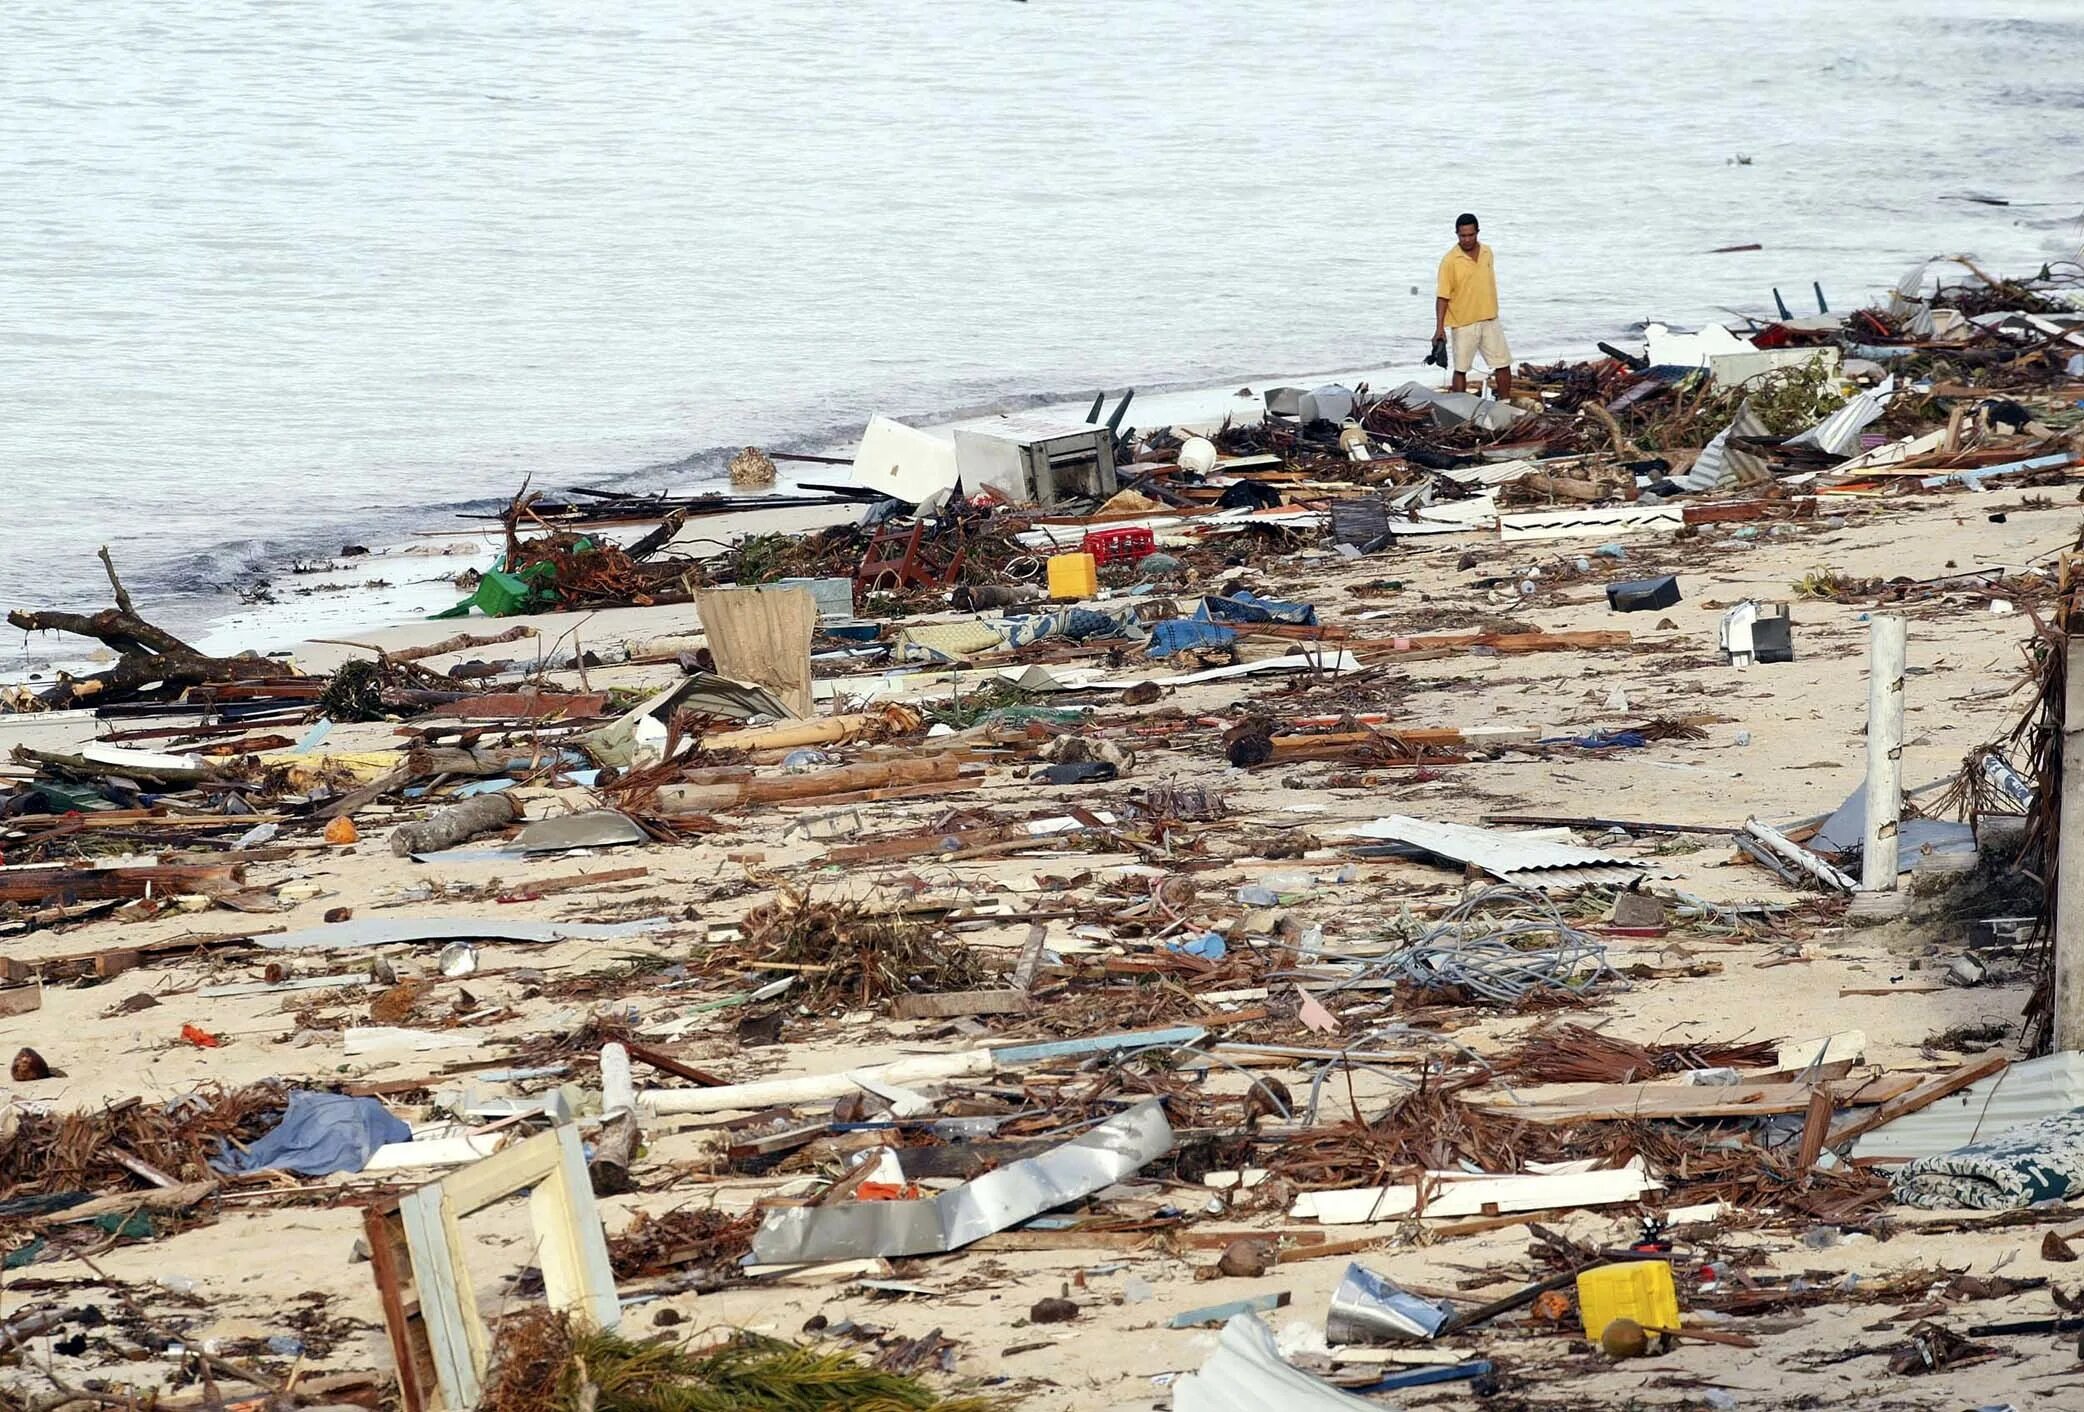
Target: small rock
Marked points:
29	1066
666	1318
1052	1311
2054	1247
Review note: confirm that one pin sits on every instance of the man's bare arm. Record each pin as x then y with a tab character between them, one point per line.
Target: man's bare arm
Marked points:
1439	317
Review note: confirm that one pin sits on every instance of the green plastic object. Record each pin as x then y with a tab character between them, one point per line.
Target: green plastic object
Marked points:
502	595
71	798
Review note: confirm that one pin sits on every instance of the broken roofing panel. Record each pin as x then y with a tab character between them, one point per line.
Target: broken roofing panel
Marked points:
1014	1193
1839	433
1721	464
1531	860
2026	1092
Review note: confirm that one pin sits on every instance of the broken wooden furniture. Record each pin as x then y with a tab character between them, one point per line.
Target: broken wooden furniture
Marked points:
416	1250
902	557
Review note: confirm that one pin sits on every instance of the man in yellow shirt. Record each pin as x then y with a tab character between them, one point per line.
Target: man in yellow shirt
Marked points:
1467	307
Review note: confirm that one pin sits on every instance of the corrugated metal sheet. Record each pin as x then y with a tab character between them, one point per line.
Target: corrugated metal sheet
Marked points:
1589	523
1721	464
1889	453
2025	1093
1839	433
1532	860
1492	472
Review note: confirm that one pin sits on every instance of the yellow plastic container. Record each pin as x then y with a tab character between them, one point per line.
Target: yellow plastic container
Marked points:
1073	576
1641	1290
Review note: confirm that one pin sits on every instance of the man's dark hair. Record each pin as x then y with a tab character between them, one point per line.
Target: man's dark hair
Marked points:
1465	219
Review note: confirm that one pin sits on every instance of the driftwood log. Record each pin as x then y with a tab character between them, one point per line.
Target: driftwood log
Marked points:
153	663
458	823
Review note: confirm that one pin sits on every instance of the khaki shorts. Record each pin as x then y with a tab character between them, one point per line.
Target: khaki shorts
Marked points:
1486	337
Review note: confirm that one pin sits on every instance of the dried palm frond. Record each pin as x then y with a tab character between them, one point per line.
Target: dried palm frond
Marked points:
852	957
542	1364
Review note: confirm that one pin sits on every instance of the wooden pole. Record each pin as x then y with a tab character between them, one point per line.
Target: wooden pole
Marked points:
2069	871
1884	754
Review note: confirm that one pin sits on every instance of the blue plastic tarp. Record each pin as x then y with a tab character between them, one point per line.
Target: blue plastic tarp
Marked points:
1181	634
319	1133
1247	607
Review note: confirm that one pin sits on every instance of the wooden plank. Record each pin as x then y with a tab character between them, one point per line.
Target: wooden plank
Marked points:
1030	956
384	1231
1621	1102
1326	1249
963	1002
503	1173
75	964
2068	1003
525	705
477	1342
1922	1096
116	960
1477	1196
528	891
579	1219
667	1064
1511	641
178	1198
1815	1127
21	999
63	886
435	1277
914	844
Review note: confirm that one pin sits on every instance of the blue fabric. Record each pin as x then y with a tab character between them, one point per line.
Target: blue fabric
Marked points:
319	1133
1077	624
1179	634
1603	740
1247	607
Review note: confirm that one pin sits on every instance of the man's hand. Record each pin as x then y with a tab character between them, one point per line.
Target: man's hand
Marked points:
1438	356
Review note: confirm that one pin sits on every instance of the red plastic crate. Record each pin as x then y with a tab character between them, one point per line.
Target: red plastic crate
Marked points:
1119	546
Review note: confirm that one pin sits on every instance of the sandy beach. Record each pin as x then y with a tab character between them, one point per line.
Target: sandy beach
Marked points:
1450	675
1803	723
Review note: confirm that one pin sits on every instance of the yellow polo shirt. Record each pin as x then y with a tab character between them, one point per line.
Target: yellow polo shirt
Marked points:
1469	285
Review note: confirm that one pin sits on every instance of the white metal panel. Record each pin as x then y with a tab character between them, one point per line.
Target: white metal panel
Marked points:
903	462
2026	1092
1590	523
1516	857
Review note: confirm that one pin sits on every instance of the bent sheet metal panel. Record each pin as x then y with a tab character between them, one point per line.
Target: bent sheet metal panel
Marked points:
1247	1373
1591	522
2026	1092
1516	858
994	1201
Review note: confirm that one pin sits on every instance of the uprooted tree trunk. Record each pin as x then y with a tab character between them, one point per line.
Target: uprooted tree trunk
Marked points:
153	662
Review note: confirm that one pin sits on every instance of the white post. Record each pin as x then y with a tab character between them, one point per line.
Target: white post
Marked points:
1884	754
2069	881
618	1090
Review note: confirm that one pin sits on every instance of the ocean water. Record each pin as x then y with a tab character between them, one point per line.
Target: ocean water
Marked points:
274	276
